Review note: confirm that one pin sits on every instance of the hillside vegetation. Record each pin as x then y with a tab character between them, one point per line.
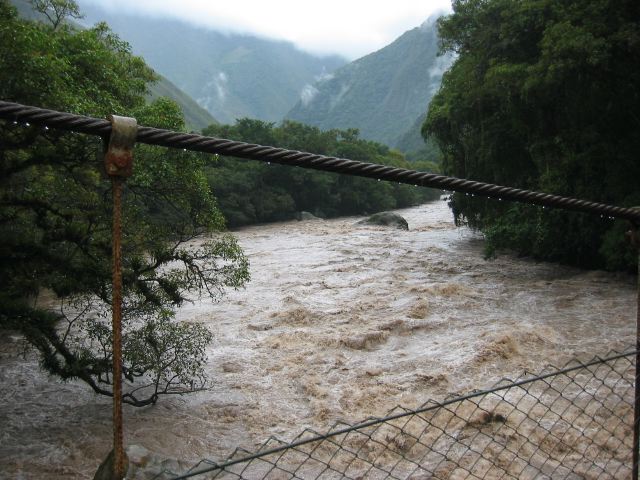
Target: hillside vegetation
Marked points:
382	94
250	192
544	95
196	117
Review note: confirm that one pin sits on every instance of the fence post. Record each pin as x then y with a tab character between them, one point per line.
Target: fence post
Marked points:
118	162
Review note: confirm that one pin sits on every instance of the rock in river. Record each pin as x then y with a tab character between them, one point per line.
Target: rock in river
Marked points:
387	219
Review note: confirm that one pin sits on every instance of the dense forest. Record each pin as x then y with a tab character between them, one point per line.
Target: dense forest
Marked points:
544	95
252	192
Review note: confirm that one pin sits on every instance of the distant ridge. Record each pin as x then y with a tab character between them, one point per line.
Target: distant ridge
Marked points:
195	117
384	94
230	75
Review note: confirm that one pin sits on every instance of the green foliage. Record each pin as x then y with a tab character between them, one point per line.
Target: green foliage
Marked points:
252	192
55	212
196	117
543	96
56	10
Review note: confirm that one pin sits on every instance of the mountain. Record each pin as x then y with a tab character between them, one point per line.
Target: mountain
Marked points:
230	75
383	94
411	140
196	117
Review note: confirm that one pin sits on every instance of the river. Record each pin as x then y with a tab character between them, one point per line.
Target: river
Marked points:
339	321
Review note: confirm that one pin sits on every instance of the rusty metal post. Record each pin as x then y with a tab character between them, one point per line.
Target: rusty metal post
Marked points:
118	161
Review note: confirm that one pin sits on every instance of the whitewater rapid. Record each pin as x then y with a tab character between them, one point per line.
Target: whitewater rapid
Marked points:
339	322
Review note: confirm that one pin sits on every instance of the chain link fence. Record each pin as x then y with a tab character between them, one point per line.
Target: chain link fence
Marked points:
574	422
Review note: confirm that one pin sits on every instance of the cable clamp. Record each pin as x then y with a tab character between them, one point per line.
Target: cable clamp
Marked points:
118	158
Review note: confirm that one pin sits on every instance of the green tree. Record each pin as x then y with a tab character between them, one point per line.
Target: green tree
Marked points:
56	11
544	95
55	215
251	192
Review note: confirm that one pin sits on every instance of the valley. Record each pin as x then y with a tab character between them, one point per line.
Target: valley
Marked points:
303	324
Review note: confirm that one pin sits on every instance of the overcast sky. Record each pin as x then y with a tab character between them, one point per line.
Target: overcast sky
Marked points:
351	28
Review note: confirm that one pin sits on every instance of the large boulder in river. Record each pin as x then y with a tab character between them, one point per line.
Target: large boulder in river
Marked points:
306	216
386	219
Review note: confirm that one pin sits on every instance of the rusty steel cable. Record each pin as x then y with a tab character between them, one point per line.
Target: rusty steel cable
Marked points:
190	141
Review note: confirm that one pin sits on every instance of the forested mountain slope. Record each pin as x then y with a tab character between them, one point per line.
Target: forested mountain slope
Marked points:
382	94
195	117
232	76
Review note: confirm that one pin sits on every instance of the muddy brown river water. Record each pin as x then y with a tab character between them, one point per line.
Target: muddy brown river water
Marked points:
340	321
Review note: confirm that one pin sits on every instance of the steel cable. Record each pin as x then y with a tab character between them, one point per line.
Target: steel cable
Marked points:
194	142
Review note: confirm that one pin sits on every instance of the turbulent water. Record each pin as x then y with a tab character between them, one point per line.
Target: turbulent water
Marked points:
340	321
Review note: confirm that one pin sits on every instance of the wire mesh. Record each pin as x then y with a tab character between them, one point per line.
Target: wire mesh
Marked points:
573	422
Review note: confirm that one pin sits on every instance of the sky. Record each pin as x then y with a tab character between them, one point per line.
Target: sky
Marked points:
351	28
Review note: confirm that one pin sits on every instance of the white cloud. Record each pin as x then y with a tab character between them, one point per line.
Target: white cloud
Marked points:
217	84
441	65
307	94
221	86
323	76
352	28
335	100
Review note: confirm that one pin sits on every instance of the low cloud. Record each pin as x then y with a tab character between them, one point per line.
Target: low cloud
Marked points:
324	76
217	85
308	94
441	65
220	83
317	27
